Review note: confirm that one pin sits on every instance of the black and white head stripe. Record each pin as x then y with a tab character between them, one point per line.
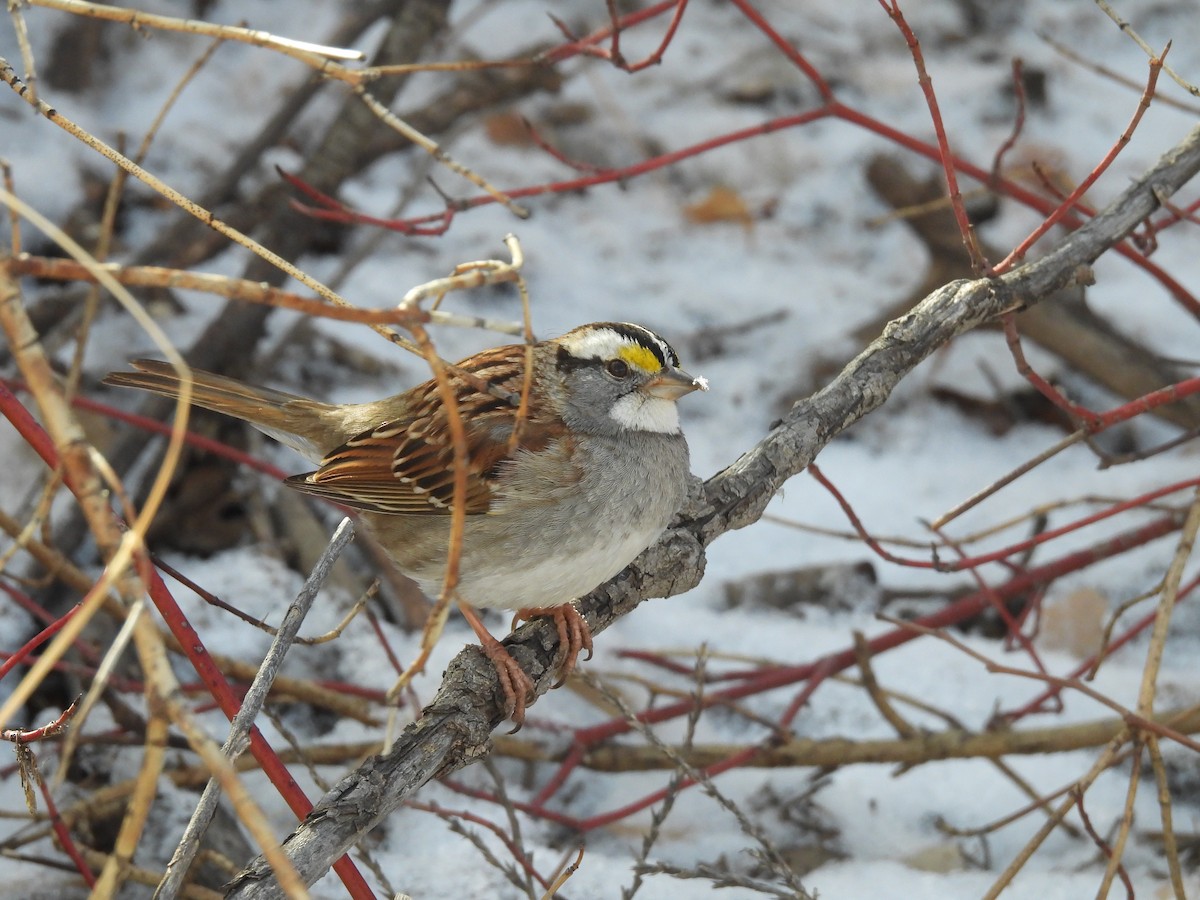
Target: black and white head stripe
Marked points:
647	338
603	339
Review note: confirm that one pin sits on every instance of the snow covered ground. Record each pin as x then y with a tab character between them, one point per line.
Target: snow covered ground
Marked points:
824	263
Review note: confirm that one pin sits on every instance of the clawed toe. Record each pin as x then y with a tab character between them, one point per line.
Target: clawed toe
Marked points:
574	635
517	686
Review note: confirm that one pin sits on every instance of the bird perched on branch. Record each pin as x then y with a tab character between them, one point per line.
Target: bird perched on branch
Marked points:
575	463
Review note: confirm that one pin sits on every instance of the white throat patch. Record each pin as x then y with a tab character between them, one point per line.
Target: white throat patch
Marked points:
640	412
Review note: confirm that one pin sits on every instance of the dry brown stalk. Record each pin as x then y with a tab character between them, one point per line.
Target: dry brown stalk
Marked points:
137	811
141	875
314	55
287	687
1166	605
196	776
1103	762
833	752
1111	74
1169	844
1148	690
218	285
56	564
435	622
828	753
878	696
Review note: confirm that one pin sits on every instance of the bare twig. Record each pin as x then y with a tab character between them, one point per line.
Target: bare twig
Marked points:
1146	48
314	55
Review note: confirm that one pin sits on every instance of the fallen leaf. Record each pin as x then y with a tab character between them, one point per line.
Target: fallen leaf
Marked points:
722	204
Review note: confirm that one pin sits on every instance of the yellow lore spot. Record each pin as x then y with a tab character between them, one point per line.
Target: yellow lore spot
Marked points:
639	356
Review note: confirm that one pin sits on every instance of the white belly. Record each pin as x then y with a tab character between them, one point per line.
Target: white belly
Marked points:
549	576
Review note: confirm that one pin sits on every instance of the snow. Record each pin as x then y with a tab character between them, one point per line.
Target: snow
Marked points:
626	253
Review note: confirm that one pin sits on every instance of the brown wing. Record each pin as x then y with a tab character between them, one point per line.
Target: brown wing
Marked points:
406	466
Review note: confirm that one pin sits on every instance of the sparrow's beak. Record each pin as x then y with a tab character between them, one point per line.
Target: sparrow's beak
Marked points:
671	384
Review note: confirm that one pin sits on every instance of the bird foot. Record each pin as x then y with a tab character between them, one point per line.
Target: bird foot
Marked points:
574	635
517	686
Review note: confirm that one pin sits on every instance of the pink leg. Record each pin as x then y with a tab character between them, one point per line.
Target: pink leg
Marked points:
517	686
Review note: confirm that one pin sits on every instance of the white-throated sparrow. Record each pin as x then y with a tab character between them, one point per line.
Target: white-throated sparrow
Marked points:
596	470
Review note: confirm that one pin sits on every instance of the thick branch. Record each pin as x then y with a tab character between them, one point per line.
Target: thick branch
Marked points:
455	728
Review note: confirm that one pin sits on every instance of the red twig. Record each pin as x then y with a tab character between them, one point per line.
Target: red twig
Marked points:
26	602
822	670
64	836
656	56
588	46
1081	416
1147	240
1051	220
39	612
1055	191
1005	552
353	690
384	642
1100	843
857	525
978	263
37	640
797	59
274	768
662	662
1016	192
1172	393
28	765
1018	80
615	815
1117	508
548	148
119	682
51	729
1012	626
1087	419
606	176
330	209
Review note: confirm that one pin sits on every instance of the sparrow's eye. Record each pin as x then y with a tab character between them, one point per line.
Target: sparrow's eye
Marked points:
617	368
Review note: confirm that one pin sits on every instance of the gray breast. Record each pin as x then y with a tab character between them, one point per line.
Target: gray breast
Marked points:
550	539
